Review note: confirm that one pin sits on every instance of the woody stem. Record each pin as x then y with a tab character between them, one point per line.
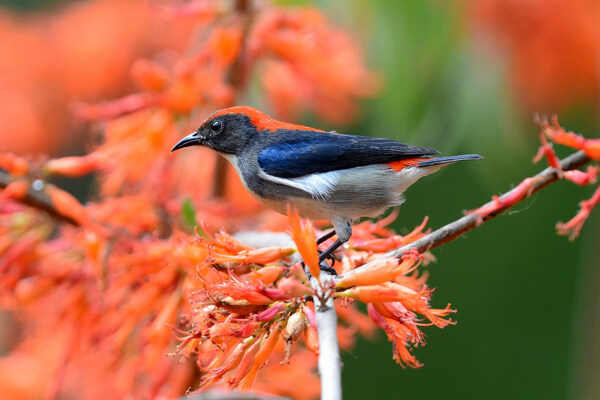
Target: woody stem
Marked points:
472	220
37	199
236	78
330	363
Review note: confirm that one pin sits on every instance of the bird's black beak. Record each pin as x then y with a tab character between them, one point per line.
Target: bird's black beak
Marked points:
192	139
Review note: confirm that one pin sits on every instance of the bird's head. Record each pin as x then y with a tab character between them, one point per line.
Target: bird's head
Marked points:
226	131
229	130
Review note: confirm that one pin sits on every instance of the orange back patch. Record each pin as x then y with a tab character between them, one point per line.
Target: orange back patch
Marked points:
262	121
409	162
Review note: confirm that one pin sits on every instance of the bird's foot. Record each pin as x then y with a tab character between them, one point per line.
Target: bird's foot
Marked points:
326	268
323	265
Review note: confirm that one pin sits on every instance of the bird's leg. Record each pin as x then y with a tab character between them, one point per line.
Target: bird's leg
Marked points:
324	255
343	229
333	258
325	236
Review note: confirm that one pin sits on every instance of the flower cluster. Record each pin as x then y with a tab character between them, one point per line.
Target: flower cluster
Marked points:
550	51
256	305
95	290
551	130
78	51
302	62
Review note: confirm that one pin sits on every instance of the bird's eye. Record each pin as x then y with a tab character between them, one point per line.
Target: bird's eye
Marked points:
216	126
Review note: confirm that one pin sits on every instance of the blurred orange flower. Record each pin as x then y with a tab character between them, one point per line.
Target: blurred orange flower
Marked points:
551	49
99	299
68	55
321	65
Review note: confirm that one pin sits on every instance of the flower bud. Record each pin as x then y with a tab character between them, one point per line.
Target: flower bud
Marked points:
295	326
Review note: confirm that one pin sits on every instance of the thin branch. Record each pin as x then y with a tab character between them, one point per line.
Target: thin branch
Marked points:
330	362
37	199
219	394
236	78
496	207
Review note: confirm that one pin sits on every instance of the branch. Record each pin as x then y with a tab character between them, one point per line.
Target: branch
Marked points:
236	78
36	198
330	363
488	211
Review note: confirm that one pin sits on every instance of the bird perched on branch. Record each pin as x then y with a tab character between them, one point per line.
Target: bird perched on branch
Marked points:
324	175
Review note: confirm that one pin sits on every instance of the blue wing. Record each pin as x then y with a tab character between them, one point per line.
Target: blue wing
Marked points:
306	152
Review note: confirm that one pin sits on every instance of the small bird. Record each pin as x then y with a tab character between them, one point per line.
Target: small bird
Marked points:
324	175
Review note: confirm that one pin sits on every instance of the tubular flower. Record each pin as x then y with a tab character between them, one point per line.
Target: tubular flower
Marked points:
299	47
15	165
255	302
380	271
265	255
395	297
103	301
16	190
72	166
365	240
552	130
303	234
400	335
243	313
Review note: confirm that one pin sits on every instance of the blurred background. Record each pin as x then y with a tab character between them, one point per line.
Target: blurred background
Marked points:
460	76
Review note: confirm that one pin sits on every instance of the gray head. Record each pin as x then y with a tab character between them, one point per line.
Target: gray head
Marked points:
223	131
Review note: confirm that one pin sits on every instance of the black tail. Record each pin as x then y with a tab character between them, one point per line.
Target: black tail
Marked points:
449	160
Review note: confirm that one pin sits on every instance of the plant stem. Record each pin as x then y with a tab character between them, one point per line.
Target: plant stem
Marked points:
472	220
37	199
330	363
236	77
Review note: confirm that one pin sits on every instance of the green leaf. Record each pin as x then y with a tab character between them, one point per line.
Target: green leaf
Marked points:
188	213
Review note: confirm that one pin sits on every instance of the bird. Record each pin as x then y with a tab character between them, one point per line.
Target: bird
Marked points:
324	175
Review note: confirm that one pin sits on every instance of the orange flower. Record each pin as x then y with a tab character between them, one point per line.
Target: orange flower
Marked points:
582	178
16	190
275	378
551	50
265	275
68	206
554	132
242	292
115	108
291	287
573	227
15	165
303	234
322	66
381	270
356	319
380	293
263	255
72	166
107	297
234	357
399	335
271	312
266	349
134	144
245	366
311	339
381	245
203	10
149	76
298	272
224	331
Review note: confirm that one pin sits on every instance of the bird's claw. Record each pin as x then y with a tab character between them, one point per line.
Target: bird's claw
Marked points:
326	268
